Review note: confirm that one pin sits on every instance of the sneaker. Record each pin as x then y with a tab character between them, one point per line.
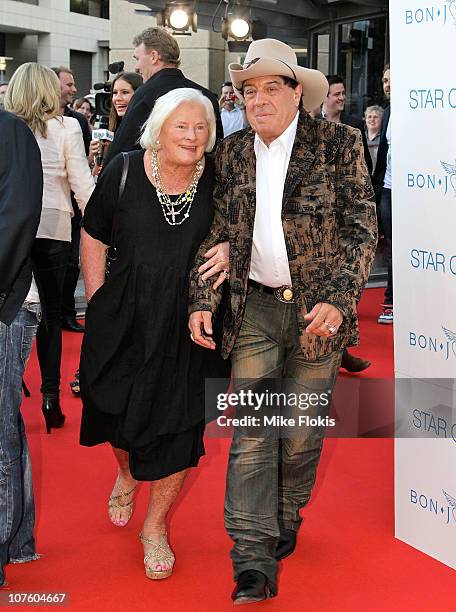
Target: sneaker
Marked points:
386	316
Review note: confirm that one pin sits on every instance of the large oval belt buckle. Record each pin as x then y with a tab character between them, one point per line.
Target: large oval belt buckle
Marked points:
284	294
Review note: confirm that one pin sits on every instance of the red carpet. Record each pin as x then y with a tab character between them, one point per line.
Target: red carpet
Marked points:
347	558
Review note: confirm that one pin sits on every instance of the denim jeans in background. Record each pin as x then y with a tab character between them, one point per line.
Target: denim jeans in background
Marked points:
270	478
17	507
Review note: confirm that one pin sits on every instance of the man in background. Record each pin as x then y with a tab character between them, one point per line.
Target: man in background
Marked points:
382	182
67	92
333	110
21	191
157	54
232	115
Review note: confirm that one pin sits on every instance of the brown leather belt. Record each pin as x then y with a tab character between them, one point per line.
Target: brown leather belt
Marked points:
283	294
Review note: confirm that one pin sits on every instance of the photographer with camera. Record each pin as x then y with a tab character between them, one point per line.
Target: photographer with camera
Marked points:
232	115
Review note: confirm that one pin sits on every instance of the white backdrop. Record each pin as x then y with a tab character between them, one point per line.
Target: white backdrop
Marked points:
423	121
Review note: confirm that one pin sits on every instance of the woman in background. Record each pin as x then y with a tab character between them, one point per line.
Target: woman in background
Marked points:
33	95
123	88
83	106
373	119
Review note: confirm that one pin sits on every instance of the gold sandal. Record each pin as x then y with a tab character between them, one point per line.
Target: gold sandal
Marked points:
160	553
114	503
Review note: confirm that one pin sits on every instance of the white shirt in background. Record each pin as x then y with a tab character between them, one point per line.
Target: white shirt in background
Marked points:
233	121
269	264
33	297
65	169
388	180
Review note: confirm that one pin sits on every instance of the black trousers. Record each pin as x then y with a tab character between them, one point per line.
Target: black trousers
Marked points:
50	258
385	207
72	271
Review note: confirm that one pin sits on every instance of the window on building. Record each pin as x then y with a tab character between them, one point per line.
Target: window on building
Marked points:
94	8
361	56
81	65
322	52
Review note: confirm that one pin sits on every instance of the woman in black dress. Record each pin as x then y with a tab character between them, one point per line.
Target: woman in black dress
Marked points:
142	378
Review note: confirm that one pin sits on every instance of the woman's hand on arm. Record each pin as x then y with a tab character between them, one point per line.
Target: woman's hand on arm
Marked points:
218	262
93	263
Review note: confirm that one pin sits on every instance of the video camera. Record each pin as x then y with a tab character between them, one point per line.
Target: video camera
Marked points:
103	99
103	109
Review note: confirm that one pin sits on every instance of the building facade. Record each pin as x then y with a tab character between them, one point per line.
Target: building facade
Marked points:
71	33
336	36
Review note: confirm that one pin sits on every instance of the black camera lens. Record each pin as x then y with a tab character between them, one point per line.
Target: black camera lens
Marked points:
103	103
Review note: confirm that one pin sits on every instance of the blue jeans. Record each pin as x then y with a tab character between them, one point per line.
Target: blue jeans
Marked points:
17	507
270	477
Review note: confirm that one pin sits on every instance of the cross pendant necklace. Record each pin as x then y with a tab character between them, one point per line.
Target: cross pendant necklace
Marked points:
172	213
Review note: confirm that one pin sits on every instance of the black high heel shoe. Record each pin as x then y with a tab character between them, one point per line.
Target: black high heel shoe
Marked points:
52	413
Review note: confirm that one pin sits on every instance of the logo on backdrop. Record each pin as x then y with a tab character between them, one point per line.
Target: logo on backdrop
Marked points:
444	510
444	346
433	261
434	422
450	169
443	182
437	14
432	99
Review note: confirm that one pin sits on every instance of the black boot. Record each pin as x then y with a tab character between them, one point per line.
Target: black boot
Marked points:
286	543
252	586
352	363
52	413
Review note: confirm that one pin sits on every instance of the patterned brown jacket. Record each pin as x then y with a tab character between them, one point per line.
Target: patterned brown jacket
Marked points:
329	223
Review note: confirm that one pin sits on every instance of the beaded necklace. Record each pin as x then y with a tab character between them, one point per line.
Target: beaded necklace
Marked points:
176	212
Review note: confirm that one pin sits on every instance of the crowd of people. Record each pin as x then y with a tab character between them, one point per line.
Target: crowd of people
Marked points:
216	235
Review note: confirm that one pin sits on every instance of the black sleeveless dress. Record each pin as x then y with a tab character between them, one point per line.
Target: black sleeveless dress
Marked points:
142	378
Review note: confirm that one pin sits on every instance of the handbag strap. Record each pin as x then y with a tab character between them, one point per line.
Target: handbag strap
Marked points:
123	180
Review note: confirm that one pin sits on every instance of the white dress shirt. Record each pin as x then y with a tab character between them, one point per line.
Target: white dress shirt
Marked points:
388	180
233	121
65	169
33	297
269	263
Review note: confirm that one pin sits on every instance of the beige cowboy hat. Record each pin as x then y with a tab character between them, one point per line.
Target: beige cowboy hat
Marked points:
272	57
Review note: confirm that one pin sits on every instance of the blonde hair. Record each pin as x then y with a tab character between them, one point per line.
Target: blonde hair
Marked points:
166	105
34	95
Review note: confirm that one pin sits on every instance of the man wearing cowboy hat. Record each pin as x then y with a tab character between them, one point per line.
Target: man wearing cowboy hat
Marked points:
294	199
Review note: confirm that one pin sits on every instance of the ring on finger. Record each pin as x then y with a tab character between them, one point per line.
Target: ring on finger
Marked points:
226	273
331	327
